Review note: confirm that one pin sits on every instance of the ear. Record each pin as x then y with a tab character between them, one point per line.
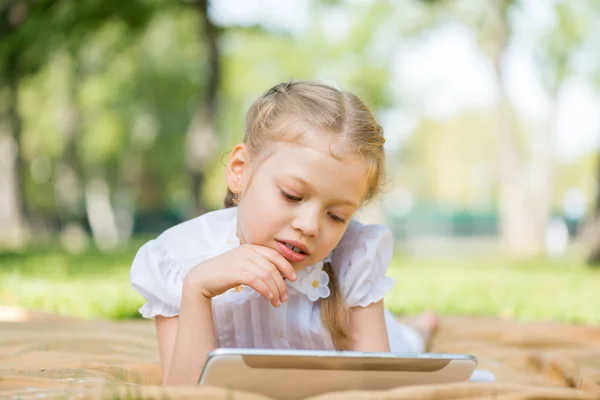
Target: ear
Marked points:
237	168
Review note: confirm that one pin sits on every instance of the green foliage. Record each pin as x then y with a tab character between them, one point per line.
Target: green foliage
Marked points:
34	30
134	95
134	73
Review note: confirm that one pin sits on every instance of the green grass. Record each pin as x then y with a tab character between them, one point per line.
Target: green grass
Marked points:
89	285
96	285
533	290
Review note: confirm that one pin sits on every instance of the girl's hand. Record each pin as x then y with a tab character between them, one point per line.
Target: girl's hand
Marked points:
259	267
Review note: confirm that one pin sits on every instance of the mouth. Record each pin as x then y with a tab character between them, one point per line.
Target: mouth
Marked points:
293	251
295	246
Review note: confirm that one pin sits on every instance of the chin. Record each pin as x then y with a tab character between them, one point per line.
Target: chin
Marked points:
302	265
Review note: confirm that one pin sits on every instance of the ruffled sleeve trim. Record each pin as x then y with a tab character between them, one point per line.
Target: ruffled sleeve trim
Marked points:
159	279
152	310
376	292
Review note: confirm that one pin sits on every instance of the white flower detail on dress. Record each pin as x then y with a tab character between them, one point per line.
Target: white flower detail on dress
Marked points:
315	284
240	294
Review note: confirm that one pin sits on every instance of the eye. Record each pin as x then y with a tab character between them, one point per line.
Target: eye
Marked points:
289	197
337	219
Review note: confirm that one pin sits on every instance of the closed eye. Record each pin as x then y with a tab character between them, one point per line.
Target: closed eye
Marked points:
289	197
336	218
296	199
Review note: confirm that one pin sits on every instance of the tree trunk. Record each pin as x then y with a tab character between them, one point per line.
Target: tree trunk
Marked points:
597	203
17	168
12	232
518	234
69	171
593	232
101	214
542	186
201	140
69	176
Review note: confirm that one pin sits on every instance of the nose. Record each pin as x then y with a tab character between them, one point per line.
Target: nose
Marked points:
307	221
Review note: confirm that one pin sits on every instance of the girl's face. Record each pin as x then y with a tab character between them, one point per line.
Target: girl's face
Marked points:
299	196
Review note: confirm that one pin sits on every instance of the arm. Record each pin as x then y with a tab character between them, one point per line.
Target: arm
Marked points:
166	332
185	341
368	329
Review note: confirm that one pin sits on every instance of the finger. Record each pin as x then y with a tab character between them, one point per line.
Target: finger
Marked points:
274	273
278	260
262	272
252	280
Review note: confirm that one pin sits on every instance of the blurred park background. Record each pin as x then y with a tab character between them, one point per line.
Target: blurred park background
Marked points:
116	118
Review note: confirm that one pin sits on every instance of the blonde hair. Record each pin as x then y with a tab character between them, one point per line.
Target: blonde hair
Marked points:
287	112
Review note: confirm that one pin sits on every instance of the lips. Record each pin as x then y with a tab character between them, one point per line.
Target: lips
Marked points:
297	245
290	254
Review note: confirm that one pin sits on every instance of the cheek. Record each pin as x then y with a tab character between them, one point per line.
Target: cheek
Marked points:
258	217
329	237
334	238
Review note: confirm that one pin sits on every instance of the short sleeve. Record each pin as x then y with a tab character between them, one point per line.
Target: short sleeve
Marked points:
160	265
159	279
361	261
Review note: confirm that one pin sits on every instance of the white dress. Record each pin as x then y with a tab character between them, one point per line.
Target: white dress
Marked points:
243	318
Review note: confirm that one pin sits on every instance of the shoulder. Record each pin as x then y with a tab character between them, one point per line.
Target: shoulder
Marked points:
205	232
190	242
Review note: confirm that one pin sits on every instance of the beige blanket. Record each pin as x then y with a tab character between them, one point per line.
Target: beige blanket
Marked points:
44	356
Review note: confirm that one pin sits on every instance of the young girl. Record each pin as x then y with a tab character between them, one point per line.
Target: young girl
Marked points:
284	265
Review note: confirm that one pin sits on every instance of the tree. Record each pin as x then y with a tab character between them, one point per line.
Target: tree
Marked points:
554	54
20	55
526	167
516	225
491	24
593	231
31	33
201	137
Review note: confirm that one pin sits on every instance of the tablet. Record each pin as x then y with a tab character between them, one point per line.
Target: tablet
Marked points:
297	374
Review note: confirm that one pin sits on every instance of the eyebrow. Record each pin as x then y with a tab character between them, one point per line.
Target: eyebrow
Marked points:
309	185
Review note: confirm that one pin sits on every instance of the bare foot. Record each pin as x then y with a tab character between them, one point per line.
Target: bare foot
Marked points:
426	325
